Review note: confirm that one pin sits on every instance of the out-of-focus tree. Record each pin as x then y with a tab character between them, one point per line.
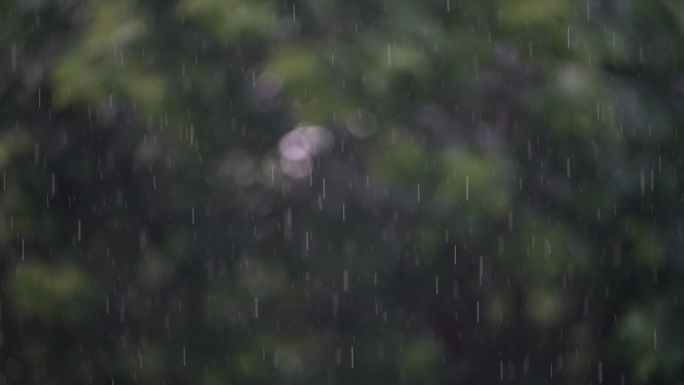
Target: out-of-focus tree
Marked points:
232	191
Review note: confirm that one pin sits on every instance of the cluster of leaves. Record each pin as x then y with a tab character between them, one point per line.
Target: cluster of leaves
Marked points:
325	191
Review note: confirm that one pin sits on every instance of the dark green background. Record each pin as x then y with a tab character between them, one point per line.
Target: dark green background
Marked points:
486	192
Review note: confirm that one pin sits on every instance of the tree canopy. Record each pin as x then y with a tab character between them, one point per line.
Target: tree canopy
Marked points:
331	192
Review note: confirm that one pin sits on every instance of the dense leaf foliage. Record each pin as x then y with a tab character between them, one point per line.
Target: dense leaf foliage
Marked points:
327	192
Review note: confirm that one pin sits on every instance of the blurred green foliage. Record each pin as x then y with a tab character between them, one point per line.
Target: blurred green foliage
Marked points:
329	192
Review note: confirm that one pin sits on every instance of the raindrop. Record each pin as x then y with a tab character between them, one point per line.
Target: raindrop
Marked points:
588	12
256	308
345	276
352	357
660	164
288	224
467	187
481	270
652	180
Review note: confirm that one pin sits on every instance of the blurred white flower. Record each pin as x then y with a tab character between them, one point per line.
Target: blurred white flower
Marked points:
300	145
